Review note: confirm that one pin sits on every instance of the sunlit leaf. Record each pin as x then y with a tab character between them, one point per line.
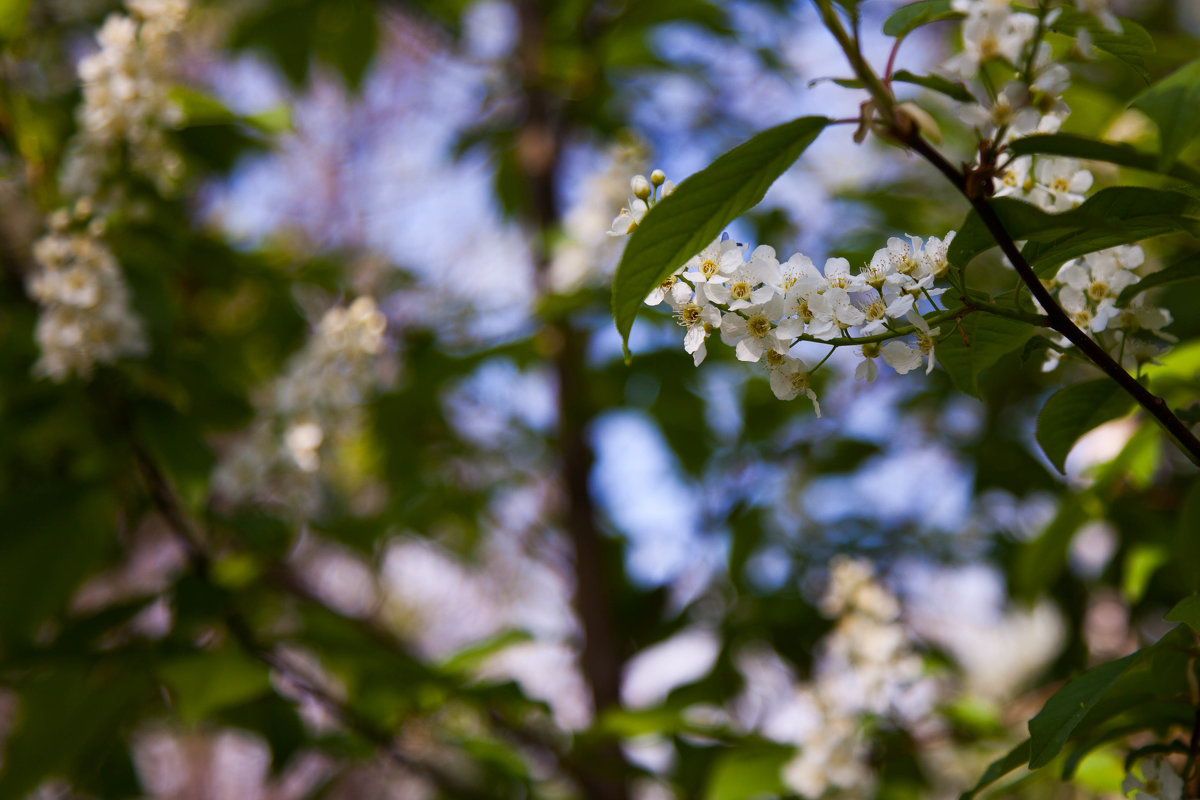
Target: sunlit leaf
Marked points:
682	224
1073	411
749	771
1174	105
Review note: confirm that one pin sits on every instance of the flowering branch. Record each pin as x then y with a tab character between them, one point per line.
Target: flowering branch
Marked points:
898	127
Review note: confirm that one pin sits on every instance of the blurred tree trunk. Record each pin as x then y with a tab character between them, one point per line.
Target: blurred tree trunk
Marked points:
539	149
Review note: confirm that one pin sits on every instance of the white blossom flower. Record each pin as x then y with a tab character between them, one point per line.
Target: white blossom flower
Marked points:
867	370
1158	782
752	282
672	289
753	333
991	30
790	379
1060	183
715	263
699	319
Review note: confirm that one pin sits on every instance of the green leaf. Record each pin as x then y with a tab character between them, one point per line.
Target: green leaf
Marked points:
1053	725
13	15
1131	45
473	656
1017	757
1066	144
749	771
1073	411
1113	216
1174	105
908	18
989	338
203	683
1186	270
1142	561
68	716
937	83
1186	611
681	225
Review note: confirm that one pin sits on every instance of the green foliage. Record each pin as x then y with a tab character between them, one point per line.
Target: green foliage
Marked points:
908	18
1174	105
1054	724
1073	411
1113	216
748	772
981	340
952	89
1065	144
680	225
1130	46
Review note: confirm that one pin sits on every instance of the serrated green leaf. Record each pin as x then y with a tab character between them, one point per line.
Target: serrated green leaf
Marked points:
1073	411
681	225
989	338
952	89
1174	105
1131	45
749	771
1113	216
1186	611
1017	757
1066	144
1053	725
908	18
1186	270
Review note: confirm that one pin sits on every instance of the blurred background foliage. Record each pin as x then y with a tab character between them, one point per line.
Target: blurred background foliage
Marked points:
533	570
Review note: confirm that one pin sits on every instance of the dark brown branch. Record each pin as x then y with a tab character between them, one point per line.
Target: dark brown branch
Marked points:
897	127
1058	319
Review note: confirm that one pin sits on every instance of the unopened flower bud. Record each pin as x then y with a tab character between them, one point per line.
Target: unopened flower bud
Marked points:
641	187
657	177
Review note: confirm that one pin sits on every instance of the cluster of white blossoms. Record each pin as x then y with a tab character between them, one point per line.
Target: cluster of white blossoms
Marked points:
86	317
126	98
1031	102
1088	289
762	307
867	673
312	406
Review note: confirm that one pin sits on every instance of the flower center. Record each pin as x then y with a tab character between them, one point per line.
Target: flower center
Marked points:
1098	290
689	315
758	326
708	268
740	291
669	283
774	359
